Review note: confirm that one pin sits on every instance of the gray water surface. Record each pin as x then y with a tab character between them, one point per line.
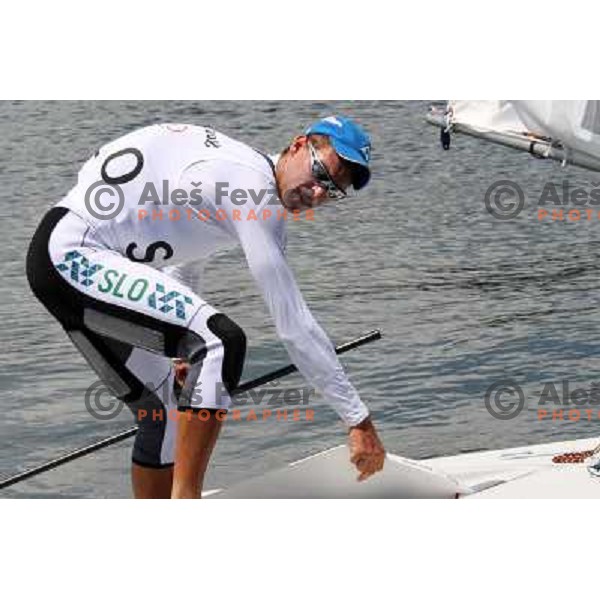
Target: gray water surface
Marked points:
464	300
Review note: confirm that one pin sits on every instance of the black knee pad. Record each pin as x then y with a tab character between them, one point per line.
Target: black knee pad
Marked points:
233	338
151	416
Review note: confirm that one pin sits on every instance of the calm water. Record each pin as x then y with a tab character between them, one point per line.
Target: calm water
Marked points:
464	300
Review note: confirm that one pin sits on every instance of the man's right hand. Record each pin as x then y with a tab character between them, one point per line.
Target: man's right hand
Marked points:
366	450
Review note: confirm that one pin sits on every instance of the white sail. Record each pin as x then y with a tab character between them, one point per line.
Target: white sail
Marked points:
575	123
487	115
564	130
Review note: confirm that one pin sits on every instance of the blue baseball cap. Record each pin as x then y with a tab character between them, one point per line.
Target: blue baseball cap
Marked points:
350	142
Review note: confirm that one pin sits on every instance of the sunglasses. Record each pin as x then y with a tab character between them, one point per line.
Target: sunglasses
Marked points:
323	178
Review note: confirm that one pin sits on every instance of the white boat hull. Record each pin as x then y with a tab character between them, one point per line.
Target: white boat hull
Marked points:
526	472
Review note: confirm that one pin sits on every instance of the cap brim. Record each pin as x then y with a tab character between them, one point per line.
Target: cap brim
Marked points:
361	174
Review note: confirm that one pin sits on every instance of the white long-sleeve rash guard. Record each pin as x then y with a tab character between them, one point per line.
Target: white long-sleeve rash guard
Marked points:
238	205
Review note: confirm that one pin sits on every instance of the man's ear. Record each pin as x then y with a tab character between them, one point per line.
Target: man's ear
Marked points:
298	143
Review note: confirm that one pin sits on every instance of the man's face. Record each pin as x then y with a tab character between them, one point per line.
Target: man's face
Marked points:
299	188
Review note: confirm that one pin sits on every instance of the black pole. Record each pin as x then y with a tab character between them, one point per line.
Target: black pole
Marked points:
119	437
